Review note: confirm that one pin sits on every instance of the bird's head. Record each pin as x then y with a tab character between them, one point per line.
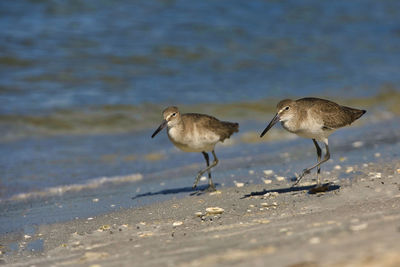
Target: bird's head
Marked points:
284	112
171	118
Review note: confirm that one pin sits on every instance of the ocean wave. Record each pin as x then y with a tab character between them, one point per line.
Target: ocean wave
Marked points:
72	188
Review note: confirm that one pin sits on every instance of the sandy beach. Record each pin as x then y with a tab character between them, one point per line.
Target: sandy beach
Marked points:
355	223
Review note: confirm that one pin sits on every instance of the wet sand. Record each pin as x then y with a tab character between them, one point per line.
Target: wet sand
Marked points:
357	223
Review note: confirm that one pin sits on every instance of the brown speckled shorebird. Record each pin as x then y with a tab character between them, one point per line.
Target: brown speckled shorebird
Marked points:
193	132
313	118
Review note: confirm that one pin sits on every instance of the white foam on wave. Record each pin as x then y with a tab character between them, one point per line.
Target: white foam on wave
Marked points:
90	184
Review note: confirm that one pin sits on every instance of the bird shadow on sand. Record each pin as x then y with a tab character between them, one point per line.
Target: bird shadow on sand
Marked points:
312	189
200	190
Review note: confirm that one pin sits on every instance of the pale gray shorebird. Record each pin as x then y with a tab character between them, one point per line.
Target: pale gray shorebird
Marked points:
192	132
313	118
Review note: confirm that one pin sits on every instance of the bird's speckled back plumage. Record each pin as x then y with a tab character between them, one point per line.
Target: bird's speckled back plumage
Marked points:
205	122
333	115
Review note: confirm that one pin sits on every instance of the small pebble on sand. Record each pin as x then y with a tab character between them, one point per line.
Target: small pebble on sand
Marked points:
203	178
251	172
337	167
377	155
267	181
95	200
398	171
349	169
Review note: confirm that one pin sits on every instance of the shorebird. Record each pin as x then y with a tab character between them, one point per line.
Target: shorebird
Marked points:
313	118
192	132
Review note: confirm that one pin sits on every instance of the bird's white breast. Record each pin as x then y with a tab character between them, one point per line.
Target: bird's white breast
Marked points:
193	140
309	126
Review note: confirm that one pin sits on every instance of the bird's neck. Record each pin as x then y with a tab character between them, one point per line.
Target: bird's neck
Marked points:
175	131
292	124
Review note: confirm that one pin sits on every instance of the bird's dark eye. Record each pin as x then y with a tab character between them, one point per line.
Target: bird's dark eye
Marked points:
287	108
173	114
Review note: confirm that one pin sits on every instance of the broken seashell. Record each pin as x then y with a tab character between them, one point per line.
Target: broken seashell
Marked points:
268	172
177	223
214	210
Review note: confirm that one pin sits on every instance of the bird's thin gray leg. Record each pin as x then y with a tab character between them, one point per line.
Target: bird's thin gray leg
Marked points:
210	182
215	162
319	153
326	158
207	158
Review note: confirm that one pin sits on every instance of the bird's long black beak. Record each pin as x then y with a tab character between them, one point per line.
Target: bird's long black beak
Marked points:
162	126
272	123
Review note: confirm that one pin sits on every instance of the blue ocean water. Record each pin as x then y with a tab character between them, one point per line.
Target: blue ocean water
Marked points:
68	54
83	83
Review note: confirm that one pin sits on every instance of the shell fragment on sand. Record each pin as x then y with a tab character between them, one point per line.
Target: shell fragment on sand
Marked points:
314	240
268	172
358	144
214	210
261	221
104	228
270	194
238	184
375	175
359	227
177	223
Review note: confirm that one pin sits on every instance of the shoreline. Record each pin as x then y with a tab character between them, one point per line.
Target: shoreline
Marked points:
358	224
